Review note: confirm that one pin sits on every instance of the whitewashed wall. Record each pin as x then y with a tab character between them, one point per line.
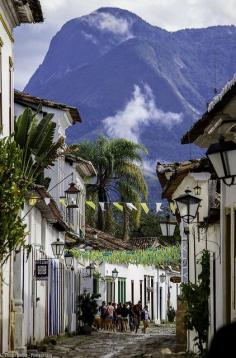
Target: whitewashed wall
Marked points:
198	241
6	282
136	274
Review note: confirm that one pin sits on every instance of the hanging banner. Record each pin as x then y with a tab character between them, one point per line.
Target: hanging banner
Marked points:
145	207
91	204
158	207
131	206
62	201
118	206
102	206
47	200
173	207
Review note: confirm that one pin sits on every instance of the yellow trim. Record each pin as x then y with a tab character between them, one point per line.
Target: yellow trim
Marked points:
8	31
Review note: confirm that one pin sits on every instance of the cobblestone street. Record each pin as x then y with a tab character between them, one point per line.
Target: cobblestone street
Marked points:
158	342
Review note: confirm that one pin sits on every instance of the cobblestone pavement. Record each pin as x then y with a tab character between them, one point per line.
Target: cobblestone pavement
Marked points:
158	342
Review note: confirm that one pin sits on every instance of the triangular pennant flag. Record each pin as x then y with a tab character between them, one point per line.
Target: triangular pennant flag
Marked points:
62	201
91	204
131	206
158	207
173	207
47	200
145	207
102	205
118	206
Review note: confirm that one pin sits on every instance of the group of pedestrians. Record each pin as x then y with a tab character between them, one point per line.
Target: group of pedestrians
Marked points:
122	317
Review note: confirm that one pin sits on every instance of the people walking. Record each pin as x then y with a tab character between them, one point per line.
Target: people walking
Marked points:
145	318
137	315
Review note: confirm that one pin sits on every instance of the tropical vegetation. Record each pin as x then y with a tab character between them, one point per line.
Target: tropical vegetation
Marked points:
119	175
196	295
35	137
23	158
164	256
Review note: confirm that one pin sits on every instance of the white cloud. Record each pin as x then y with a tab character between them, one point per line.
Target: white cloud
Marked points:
108	22
140	111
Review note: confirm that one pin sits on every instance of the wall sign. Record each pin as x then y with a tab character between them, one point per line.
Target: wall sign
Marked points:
175	279
41	269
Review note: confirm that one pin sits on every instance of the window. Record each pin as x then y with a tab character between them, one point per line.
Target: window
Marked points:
10	96
1	124
121	290
110	290
141	290
132	291
95	286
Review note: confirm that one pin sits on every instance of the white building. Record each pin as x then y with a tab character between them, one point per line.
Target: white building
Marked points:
148	284
12	13
202	233
48	307
219	120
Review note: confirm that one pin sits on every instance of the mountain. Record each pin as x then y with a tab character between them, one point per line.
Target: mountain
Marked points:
132	79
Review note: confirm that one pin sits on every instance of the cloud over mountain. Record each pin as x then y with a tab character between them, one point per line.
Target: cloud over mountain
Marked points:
139	112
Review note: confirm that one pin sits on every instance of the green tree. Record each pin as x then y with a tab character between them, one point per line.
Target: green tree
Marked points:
117	162
35	136
13	188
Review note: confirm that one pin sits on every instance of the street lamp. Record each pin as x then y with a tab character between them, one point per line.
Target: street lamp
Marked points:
162	277
69	260
91	269
72	196
167	227
188	206
222	157
114	274
197	190
57	248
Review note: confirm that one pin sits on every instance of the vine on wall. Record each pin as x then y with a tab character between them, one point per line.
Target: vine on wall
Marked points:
196	297
13	188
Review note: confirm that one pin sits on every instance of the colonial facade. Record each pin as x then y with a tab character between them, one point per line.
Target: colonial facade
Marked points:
47	305
149	284
12	13
202	233
218	121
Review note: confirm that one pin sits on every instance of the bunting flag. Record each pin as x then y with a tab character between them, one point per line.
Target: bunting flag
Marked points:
173	207
47	200
118	206
145	207
91	204
62	201
131	206
158	207
102	206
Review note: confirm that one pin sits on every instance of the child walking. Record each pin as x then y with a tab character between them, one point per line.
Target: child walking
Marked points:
145	318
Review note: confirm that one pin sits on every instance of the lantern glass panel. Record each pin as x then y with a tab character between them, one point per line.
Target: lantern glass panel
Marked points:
217	163
72	196
114	274
172	229
230	160
164	229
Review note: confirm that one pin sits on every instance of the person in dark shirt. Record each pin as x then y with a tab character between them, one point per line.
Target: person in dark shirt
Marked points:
223	342
124	315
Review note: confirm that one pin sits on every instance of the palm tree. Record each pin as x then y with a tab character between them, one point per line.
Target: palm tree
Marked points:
35	136
117	163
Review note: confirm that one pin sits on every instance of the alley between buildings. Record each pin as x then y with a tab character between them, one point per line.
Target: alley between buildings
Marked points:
158	342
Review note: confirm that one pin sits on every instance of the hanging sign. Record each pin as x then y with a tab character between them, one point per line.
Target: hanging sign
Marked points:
41	270
175	279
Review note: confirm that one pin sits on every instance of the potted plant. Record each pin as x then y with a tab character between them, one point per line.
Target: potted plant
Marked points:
171	314
88	307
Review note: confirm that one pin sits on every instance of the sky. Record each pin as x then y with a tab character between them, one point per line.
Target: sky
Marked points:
32	41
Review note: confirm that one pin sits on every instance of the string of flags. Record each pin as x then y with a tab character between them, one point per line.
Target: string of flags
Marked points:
120	206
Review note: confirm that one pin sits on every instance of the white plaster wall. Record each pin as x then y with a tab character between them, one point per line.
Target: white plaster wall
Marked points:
7	51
